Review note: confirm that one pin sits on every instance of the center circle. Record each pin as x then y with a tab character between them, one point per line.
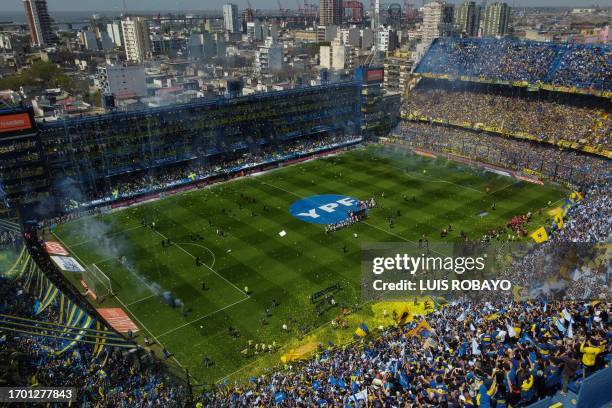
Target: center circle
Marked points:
324	209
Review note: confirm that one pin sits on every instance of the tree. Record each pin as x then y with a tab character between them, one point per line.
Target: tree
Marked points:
40	73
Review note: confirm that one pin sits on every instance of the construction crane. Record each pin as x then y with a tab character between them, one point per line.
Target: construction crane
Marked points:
281	10
311	10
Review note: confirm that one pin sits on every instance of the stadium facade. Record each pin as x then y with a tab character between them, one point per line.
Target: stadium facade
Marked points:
49	165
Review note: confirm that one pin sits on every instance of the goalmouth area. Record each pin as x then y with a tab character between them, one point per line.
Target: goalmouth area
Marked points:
189	295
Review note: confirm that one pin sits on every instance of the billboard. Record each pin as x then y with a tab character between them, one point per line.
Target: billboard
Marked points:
55	248
14	122
67	263
375	75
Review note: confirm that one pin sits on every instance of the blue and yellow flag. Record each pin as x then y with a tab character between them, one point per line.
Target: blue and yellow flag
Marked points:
540	235
558	220
362	330
576	196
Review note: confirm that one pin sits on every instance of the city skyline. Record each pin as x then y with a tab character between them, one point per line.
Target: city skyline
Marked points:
194	5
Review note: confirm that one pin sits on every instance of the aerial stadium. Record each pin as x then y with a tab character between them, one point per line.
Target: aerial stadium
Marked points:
212	253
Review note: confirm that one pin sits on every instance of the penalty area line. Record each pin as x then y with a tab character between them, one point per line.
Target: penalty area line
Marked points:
203	317
142	299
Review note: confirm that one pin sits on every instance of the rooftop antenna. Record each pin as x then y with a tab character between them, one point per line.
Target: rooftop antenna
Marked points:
125	7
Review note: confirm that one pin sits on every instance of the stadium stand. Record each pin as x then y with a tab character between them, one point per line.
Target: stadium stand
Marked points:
560	119
566	67
113	376
85	156
507	101
523	156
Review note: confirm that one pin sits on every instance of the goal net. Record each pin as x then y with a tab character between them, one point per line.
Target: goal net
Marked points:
97	281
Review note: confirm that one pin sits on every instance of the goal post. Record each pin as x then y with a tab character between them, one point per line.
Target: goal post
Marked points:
97	281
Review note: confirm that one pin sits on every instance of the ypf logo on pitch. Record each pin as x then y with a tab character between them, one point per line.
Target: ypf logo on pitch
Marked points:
324	209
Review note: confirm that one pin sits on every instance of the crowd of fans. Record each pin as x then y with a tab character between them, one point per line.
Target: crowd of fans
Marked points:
463	358
565	165
569	65
164	178
570	263
9	239
550	118
585	67
116	377
592	222
106	145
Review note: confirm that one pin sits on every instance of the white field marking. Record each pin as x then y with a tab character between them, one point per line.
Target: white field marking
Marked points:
281	189
119	300
211	269
388	232
285	345
106	235
149	331
438	180
140	278
104	260
142	299
238	370
203	247
432	179
202	317
505	187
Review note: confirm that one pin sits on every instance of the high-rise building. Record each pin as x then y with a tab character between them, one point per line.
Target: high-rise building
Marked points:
467	18
378	15
350	36
231	18
269	58
114	32
330	12
387	39
397	72
136	39
496	20
39	22
255	31
220	44
195	45
367	38
209	45
437	20
326	33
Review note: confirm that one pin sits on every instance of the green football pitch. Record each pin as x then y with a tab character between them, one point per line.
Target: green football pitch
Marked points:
287	269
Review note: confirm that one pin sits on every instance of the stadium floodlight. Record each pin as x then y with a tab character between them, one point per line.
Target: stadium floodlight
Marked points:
97	281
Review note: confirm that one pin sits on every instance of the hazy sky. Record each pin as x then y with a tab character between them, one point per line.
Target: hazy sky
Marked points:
161	5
